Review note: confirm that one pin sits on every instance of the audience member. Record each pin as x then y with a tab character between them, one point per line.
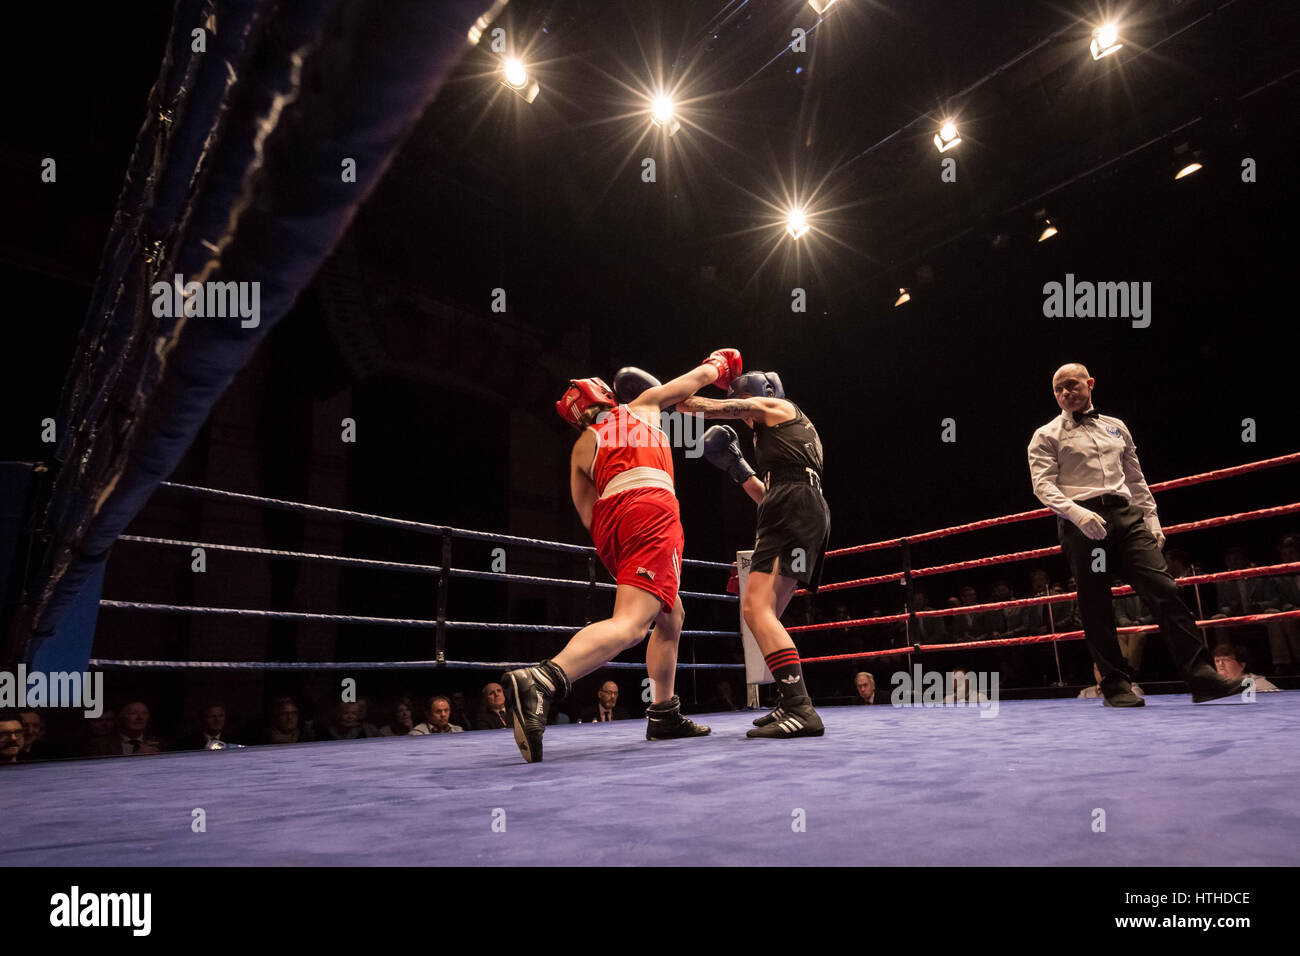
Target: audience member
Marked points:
12	737
460	711
929	630
344	724
212	724
285	725
1230	661
865	685
132	737
606	707
438	718
493	716
966	627
1131	612
363	710
1284	636
963	689
1005	622
403	719
35	745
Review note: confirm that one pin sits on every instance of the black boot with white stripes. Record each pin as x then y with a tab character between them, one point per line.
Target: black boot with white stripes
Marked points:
792	718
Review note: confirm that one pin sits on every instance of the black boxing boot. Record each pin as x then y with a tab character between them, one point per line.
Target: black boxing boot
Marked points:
530	692
766	719
1206	683
798	719
664	721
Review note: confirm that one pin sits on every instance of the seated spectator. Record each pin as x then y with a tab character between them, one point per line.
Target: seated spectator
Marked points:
606	707
1005	622
1038	619
212	724
12	737
1065	614
284	724
105	725
723	697
438	713
1095	689
1284	636
865	684
363	709
460	712
35	746
403	719
493	715
966	627
964	689
1240	596
132	737
929	630
344	723
1230	661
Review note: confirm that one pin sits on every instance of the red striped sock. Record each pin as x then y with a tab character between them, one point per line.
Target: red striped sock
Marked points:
785	667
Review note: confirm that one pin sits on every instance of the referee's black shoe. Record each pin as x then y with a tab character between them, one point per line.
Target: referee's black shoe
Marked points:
1206	683
1117	691
797	719
664	721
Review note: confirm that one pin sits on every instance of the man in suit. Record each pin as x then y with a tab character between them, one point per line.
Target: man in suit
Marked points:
493	716
1284	636
212	726
606	708
132	737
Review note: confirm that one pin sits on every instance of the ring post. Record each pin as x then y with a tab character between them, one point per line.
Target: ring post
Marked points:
591	587
444	580
913	626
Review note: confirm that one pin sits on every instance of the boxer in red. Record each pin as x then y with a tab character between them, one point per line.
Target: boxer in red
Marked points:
621	479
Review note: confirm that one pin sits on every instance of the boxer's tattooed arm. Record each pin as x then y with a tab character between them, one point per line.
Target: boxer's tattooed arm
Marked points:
719	408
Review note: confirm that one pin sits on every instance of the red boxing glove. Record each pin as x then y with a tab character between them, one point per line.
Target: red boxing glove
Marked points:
733	582
728	364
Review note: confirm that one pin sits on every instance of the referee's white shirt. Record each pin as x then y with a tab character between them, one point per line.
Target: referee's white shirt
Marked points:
1071	462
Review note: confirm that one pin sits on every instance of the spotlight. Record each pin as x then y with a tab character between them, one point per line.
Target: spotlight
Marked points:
904	295
821	6
661	112
1187	161
796	223
947	137
1049	226
515	77
1105	41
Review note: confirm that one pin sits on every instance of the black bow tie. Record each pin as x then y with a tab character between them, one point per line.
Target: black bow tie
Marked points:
1080	416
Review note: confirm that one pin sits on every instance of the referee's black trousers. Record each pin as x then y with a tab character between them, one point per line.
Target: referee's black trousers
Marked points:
1132	555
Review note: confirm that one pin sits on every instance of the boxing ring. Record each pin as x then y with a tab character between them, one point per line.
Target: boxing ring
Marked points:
1172	784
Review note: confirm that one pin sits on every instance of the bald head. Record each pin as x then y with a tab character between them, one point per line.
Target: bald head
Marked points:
1071	368
1072	386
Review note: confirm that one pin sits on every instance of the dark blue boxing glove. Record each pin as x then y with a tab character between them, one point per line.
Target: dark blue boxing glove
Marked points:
722	449
631	381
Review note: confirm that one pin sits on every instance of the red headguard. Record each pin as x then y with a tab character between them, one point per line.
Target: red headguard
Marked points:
581	395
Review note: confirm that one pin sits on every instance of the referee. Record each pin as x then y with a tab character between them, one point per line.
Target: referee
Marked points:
1085	468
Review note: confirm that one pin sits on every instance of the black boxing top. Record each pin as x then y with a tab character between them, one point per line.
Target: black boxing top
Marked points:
787	449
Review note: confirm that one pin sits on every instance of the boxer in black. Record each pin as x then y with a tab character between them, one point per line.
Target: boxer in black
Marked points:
793	527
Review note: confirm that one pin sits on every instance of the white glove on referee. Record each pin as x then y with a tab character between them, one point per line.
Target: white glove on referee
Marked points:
1153	525
1090	523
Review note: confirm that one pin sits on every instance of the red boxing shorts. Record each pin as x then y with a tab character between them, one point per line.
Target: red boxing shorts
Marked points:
638	535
